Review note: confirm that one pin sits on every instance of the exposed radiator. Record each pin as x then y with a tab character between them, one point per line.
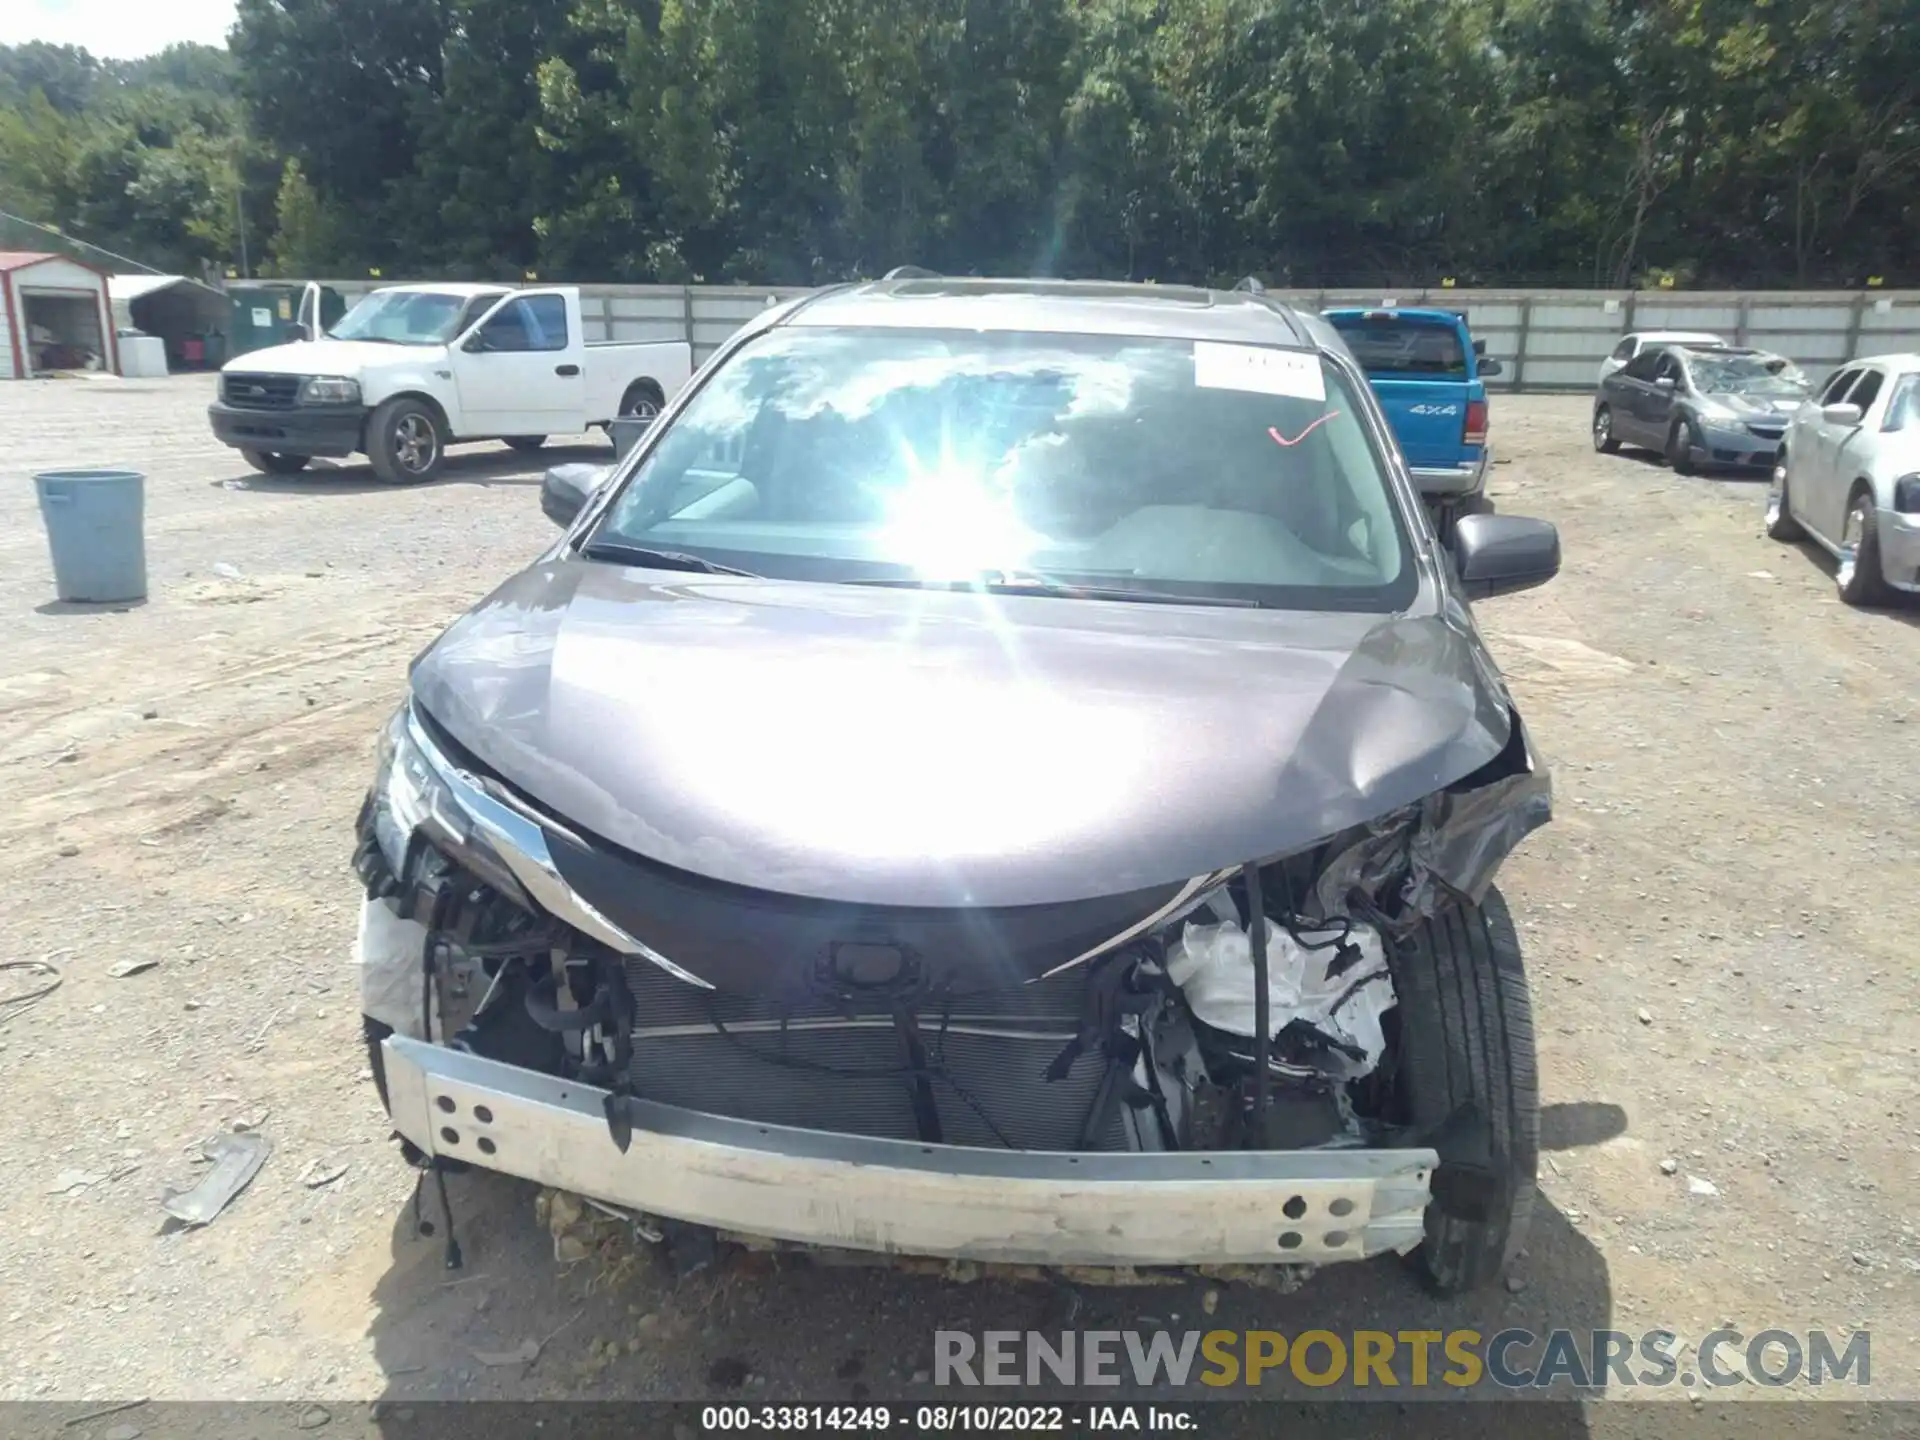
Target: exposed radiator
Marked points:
778	1065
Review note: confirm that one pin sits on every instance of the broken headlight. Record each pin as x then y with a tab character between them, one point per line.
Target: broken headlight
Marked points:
420	794
407	792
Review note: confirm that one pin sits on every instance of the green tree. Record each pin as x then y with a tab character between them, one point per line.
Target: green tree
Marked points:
303	244
39	152
67	77
341	86
1308	141
1115	203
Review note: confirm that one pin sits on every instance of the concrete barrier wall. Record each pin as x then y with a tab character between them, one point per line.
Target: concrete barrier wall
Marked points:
1547	339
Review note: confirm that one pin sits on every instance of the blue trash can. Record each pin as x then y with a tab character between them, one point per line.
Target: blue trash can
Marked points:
626	431
96	528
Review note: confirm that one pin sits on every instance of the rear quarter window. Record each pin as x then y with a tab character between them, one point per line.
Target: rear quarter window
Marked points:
1388	346
1903	406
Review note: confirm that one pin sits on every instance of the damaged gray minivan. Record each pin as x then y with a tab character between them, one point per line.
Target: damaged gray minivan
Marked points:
1002	770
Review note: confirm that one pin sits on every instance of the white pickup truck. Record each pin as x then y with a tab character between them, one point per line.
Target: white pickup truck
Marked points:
412	369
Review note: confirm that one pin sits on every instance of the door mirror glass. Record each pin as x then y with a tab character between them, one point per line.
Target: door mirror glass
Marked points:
565	490
1844	415
1499	554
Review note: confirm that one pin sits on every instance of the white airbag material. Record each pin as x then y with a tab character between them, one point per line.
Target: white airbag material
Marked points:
1213	966
389	952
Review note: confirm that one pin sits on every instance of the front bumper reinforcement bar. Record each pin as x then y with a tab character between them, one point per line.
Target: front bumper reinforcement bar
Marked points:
1304	1207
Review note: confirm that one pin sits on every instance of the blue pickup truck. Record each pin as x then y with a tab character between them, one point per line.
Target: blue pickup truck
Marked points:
1430	376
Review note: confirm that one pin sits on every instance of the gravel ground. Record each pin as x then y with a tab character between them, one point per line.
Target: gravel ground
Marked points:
1719	924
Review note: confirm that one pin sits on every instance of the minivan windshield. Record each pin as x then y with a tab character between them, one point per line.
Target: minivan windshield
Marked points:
406	317
1162	468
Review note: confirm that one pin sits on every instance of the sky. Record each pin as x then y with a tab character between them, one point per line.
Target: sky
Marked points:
116	29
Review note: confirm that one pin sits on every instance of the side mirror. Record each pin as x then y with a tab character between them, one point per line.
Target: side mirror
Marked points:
1845	416
1499	554
1666	382
1491	368
565	490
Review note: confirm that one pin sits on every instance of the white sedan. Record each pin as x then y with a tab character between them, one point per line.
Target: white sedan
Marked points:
1636	342
1848	477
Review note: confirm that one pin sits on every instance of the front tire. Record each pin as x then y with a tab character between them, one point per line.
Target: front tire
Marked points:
1859	577
1680	447
528	443
405	441
1467	1068
1780	522
1604	439
275	462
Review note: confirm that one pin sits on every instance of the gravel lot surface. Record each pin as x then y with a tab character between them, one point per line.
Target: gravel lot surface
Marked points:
1720	926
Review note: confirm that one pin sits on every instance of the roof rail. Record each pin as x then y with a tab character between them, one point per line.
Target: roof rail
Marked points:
1251	286
911	272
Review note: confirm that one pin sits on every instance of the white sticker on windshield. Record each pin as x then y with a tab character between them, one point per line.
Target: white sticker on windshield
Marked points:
1294	373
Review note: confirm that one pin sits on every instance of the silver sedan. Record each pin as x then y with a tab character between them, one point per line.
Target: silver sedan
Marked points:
1848	477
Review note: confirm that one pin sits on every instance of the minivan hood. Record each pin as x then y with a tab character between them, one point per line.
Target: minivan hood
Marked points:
928	748
331	357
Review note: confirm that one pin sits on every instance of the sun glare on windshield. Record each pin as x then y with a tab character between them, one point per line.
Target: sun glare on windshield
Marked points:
953	520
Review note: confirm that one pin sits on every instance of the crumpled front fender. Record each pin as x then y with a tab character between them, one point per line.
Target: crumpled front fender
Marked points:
1414	862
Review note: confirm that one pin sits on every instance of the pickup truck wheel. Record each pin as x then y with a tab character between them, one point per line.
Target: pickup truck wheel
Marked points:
275	462
1447	514
1604	439
404	442
526	442
643	400
1466	1078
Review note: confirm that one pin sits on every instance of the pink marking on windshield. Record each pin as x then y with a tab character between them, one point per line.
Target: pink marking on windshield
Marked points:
1284	442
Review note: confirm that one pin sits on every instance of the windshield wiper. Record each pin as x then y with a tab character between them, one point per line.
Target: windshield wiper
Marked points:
1062	590
622	553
